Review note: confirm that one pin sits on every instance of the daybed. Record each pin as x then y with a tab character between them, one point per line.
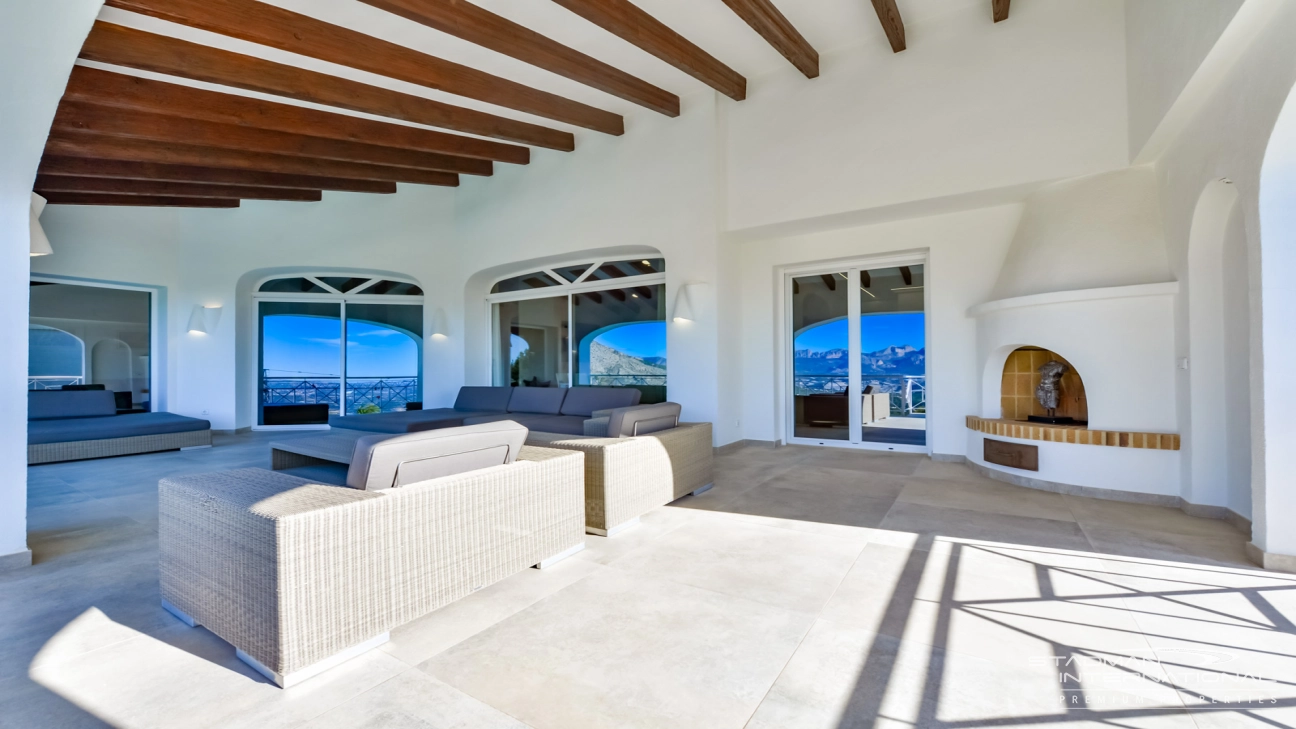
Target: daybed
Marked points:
300	576
70	425
548	409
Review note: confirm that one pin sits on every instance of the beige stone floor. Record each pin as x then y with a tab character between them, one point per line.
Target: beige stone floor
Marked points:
810	588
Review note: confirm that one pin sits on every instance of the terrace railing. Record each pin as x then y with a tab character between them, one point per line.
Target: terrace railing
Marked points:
52	382
386	393
908	392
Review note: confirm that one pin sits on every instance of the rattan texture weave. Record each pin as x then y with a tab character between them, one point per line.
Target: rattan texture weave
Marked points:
627	477
80	450
293	572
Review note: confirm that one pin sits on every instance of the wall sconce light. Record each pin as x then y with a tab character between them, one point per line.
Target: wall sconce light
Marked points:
40	245
203	319
683	309
440	324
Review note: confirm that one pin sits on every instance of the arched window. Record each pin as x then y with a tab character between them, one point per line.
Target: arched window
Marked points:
55	358
338	345
584	323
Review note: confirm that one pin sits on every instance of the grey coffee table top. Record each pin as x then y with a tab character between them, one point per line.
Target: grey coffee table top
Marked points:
337	446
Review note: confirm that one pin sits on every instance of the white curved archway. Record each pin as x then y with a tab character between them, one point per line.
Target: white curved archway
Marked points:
112	365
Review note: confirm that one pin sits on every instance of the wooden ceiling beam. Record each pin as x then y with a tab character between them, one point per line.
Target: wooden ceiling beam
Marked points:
1000	9
76	116
272	26
477	25
122	46
865	279
628	22
106	185
149	201
766	20
829	280
106	88
907	275
79	144
889	15
87	167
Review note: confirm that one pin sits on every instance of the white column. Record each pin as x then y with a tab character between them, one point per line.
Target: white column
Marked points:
39	42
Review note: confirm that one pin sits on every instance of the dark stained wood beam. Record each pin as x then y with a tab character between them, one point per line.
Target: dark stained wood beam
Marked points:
1000	8
907	275
889	15
121	170
122	46
118	90
78	144
796	287
625	20
829	280
594	296
617	294
766	20
268	25
81	198
865	279
76	116
105	185
464	20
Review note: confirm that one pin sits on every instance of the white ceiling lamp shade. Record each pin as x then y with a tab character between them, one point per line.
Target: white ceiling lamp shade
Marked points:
683	310
203	319
440	324
40	245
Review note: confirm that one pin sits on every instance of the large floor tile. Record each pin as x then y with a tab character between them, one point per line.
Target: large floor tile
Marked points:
930	522
781	567
1143	517
781	501
414	700
986	496
898	464
815	479
621	650
1225	550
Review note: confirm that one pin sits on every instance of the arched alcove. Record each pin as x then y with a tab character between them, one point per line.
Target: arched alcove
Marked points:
1021	376
112	365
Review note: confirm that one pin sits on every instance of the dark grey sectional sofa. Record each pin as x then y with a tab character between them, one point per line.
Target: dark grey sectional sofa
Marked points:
545	409
70	425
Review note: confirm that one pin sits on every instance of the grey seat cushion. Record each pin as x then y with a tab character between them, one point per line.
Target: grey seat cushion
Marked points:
642	419
584	401
410	421
383	462
111	426
483	399
54	404
538	400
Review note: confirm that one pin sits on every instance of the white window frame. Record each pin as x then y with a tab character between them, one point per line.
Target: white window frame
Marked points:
563	288
786	366
329	295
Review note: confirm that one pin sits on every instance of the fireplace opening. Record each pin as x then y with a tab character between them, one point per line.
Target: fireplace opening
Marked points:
1018	396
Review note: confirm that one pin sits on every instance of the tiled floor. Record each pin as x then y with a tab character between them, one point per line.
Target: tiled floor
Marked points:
810	588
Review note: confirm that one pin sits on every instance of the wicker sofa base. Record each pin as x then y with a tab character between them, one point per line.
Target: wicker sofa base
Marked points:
79	450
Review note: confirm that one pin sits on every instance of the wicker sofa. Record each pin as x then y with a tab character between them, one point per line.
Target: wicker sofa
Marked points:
71	425
301	576
636	459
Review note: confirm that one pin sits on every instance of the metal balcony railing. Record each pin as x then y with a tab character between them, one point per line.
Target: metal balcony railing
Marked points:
908	392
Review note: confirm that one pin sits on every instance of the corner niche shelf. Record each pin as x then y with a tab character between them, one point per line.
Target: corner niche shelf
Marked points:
1076	434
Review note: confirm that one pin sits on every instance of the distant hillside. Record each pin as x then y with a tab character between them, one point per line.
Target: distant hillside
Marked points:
605	361
904	360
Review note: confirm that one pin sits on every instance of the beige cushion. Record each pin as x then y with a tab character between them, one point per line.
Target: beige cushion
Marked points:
642	419
381	461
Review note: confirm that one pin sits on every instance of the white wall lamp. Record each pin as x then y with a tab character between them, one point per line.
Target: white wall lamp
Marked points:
440	324
40	245
203	319
683	309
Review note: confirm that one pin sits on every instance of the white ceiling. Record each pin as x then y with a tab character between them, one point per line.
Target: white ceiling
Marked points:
829	25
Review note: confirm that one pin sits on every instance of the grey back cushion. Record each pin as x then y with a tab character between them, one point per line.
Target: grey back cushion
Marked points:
539	400
56	404
383	462
643	419
488	399
584	401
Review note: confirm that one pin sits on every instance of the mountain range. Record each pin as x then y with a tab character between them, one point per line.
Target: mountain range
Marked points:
631	370
894	360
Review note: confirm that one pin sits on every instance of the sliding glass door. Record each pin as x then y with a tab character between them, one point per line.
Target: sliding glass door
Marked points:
858	365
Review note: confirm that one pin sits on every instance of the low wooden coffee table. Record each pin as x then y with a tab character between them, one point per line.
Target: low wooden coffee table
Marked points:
334	448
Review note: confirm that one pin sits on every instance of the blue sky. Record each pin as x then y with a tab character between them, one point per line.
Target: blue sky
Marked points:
310	345
877	331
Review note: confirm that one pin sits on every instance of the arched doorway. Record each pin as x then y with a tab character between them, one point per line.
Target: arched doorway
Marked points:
111	365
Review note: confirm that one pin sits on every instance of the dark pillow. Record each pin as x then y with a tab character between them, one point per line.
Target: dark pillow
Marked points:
483	399
585	400
542	400
55	404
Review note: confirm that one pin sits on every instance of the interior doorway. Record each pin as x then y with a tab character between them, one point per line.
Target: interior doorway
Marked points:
858	356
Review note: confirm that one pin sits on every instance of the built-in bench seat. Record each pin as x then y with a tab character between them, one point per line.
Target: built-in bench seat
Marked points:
70	425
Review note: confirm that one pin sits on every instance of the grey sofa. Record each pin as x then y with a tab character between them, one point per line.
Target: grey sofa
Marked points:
300	576
69	425
546	409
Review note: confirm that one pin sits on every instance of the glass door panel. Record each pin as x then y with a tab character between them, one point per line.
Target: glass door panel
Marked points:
820	356
384	357
531	343
893	355
300	362
620	339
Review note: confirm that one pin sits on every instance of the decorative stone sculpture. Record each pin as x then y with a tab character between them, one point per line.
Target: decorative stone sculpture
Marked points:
1049	389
